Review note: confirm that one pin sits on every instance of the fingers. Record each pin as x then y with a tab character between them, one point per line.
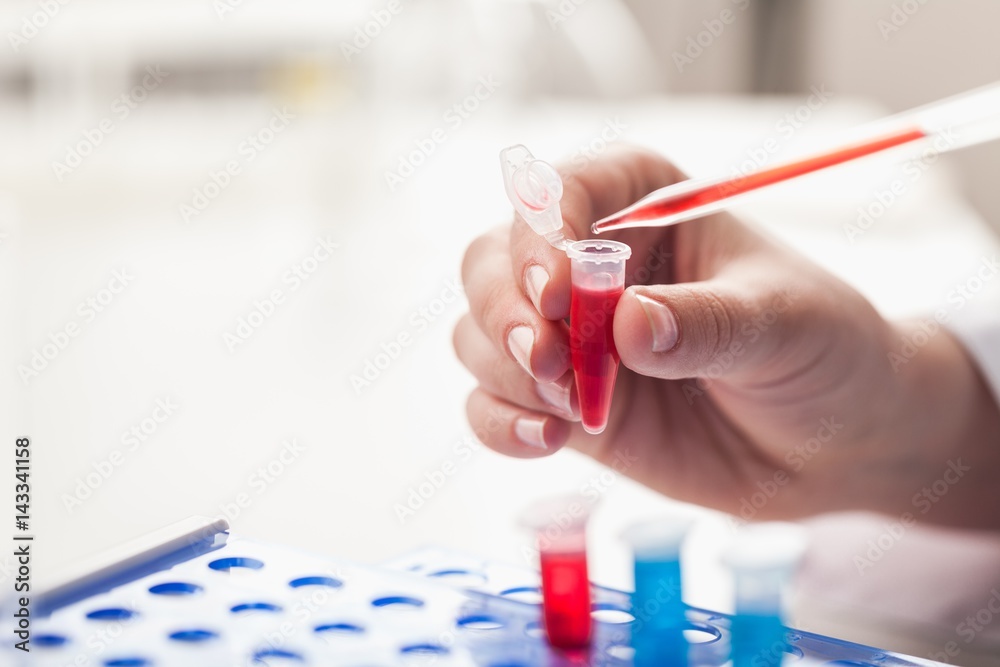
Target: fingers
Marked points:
712	329
506	380
589	193
506	316
512	430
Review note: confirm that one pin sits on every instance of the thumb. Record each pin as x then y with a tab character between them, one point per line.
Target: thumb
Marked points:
713	329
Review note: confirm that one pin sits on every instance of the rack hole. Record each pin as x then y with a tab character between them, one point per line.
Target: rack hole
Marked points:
329	582
339	629
235	563
463	578
696	633
250	607
534	629
480	622
193	635
175	588
112	614
526	594
397	602
423	649
51	640
127	662
609	613
621	652
276	657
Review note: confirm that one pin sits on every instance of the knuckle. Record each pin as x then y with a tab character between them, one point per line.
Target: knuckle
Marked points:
493	307
473	254
717	321
458	336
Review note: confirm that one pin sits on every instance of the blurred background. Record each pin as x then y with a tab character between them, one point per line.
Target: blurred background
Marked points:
230	233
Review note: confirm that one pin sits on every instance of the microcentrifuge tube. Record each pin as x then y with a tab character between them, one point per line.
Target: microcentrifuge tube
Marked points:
597	273
597	270
658	604
559	525
762	558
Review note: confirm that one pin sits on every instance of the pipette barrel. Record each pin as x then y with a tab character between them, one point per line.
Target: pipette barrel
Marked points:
692	199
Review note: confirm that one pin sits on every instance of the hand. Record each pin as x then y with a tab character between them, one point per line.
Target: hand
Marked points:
753	381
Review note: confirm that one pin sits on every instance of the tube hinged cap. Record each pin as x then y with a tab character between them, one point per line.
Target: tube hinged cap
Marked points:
534	188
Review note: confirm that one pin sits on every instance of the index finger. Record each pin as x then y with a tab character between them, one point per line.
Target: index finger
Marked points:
591	192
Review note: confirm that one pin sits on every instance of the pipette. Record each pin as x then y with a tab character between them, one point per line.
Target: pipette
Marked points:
955	122
559	524
658	604
597	274
762	558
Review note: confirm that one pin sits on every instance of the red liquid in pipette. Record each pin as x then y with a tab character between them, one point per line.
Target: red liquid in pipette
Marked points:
592	348
566	599
714	192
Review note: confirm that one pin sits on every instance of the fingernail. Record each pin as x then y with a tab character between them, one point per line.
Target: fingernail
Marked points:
535	280
557	395
531	431
520	340
662	323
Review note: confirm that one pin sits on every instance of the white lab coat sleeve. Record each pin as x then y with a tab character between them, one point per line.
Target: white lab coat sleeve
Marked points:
977	326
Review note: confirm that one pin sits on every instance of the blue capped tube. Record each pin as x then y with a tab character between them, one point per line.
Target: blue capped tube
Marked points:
658	604
763	558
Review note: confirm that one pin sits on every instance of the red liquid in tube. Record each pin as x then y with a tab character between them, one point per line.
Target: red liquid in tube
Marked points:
592	348
566	598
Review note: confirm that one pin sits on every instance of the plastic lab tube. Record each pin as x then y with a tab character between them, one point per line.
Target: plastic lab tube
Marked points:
534	188
598	275
560	525
763	559
658	604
